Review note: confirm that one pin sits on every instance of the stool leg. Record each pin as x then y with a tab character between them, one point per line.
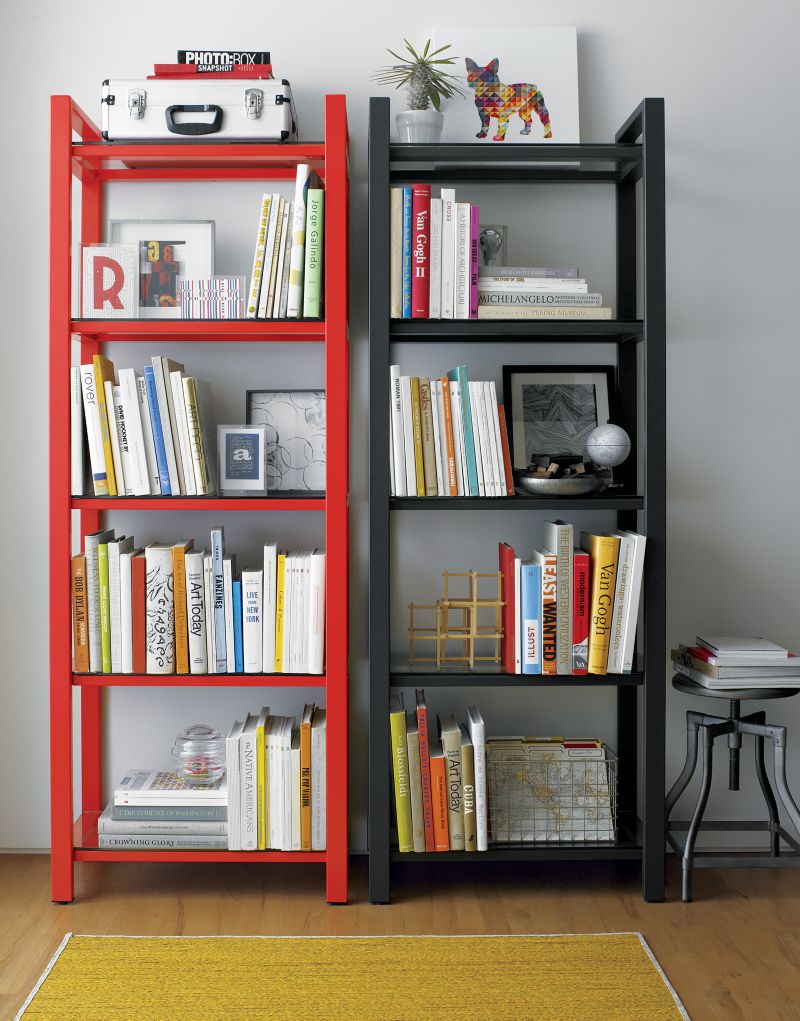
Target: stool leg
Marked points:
689	765
778	735
761	772
697	816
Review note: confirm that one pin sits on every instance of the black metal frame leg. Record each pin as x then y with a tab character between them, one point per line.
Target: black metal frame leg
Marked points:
778	735
760	719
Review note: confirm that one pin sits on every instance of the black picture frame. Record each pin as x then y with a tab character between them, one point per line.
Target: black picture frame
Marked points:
281	465
517	441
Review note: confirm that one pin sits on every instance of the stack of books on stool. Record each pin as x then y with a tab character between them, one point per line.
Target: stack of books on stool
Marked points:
726	662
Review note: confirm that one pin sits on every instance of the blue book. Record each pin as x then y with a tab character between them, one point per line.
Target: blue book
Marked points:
158	435
459	375
530	621
406	262
237	626
218	595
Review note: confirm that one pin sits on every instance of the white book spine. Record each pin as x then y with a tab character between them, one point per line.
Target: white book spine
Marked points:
287	613
208	593
147	433
258	258
448	252
268	610
277	249
462	261
281	265
396	255
248	809
408	436
137	475
230	650
631	608
398	441
114	409
287	255
159	610
166	429
542	285
296	845
115	549
218	591
125	614
168	367
298	250
478	737
415	786
518	628
498	439
76	430
93	602
196	615
316	616
318	784
91	412
493	487
443	466
181	421
232	770
273	836
392	483
252	632
286	754
437	438
269	252
435	307
458	436
477	435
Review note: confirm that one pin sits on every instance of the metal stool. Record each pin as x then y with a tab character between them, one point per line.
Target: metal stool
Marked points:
734	725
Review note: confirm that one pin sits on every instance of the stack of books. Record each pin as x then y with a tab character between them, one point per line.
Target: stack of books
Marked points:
286	281
440	783
147	435
572	611
719	662
449	437
528	292
276	782
173	608
160	811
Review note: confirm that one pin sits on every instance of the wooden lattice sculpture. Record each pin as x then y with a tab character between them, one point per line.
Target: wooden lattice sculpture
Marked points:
456	622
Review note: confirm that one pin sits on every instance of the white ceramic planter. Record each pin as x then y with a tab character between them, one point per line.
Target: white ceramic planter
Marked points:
419	126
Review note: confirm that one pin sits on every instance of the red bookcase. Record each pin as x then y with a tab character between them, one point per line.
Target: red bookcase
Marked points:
80	159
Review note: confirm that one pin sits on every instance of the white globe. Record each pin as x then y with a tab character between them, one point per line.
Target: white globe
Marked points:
608	445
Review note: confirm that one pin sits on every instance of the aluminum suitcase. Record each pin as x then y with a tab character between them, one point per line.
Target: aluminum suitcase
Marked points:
201	108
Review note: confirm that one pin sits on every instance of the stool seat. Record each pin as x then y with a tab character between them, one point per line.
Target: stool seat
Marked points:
683	683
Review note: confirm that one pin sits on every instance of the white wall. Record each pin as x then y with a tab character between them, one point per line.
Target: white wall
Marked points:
729	80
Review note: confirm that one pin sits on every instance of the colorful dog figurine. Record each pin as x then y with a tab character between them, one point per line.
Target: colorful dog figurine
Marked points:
493	99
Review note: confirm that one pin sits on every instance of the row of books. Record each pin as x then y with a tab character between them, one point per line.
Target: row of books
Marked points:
276	782
448	437
568	610
171	608
529	292
439	782
720	662
286	281
146	434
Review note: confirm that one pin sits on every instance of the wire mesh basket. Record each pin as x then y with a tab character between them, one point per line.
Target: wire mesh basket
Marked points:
544	796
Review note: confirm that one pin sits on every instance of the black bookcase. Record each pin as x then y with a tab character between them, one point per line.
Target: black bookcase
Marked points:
635	158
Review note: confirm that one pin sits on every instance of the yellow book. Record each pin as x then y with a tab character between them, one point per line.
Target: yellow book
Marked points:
181	612
261	780
104	370
603	551
402	786
416	420
305	777
280	602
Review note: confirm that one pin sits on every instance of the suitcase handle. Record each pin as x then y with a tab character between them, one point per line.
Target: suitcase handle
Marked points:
196	127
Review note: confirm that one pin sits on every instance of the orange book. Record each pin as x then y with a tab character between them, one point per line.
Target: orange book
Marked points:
138	626
441	834
449	441
506	450
305	777
181	611
80	629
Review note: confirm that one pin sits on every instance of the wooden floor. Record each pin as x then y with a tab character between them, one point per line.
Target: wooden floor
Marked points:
733	953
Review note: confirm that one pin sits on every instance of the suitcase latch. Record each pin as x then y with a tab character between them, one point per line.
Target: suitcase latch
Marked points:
136	103
253	101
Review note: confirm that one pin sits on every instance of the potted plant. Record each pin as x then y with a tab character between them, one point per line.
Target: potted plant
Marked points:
427	84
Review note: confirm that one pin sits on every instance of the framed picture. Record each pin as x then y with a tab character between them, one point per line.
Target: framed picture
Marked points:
242	453
168	249
108	283
295	422
552	409
520	85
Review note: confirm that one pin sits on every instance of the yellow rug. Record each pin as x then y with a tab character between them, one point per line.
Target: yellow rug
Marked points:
604	977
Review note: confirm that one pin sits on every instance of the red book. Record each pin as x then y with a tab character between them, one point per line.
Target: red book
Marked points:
420	251
138	614
425	769
509	608
506	451
581	566
441	829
